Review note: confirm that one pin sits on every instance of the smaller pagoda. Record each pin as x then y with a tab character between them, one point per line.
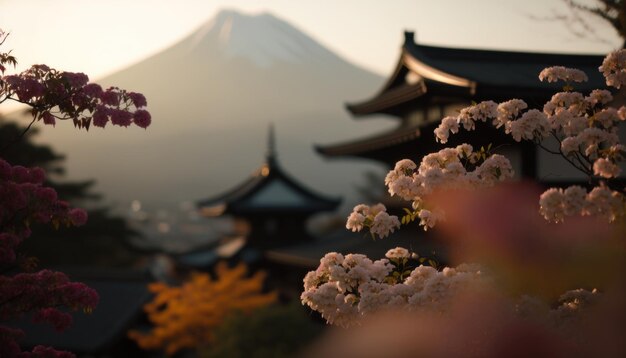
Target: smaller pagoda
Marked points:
270	208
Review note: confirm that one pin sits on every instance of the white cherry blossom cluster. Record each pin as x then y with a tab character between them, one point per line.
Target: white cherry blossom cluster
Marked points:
530	125
344	289
583	126
560	73
614	68
447	168
556	204
374	217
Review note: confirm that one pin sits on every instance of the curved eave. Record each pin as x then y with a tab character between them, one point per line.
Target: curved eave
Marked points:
432	73
357	147
496	68
236	201
388	99
391	96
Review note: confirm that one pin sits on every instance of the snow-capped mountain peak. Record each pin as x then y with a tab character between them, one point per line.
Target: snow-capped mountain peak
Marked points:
261	38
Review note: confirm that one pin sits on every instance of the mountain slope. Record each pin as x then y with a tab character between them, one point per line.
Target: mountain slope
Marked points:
212	97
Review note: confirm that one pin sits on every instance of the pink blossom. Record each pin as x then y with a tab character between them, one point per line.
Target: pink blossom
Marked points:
60	320
138	99
398	253
5	169
605	168
37	175
93	90
20	174
428	219
600	97
75	79
621	112
142	118
355	222
607	117
110	97
46	195
508	111
556	73
532	124
384	224
570	144
614	68
100	116
551	205
78	216
120	117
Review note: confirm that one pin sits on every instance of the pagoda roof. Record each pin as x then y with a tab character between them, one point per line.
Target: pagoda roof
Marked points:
431	76
372	146
409	142
473	73
269	190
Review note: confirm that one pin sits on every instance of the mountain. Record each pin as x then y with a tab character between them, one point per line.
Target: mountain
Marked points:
212	97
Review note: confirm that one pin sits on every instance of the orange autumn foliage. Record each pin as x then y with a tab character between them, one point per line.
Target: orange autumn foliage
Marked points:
185	316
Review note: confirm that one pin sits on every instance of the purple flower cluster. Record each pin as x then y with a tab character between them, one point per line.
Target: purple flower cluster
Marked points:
24	201
60	95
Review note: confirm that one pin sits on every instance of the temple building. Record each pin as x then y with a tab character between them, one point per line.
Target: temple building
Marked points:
270	209
430	83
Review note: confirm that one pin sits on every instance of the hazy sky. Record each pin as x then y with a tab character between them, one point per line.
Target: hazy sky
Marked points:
99	36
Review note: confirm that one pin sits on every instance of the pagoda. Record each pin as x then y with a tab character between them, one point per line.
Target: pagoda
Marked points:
430	83
270	208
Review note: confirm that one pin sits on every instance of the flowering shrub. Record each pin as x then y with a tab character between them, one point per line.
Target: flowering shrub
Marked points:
25	201
344	289
585	131
58	95
185	316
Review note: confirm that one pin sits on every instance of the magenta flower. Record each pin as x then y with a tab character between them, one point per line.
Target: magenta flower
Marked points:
138	99
76	80
78	216
142	118
120	117
101	116
109	97
93	90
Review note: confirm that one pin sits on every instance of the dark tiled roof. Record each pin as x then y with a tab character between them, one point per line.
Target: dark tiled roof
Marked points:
504	68
461	75
240	199
485	72
373	143
122	295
